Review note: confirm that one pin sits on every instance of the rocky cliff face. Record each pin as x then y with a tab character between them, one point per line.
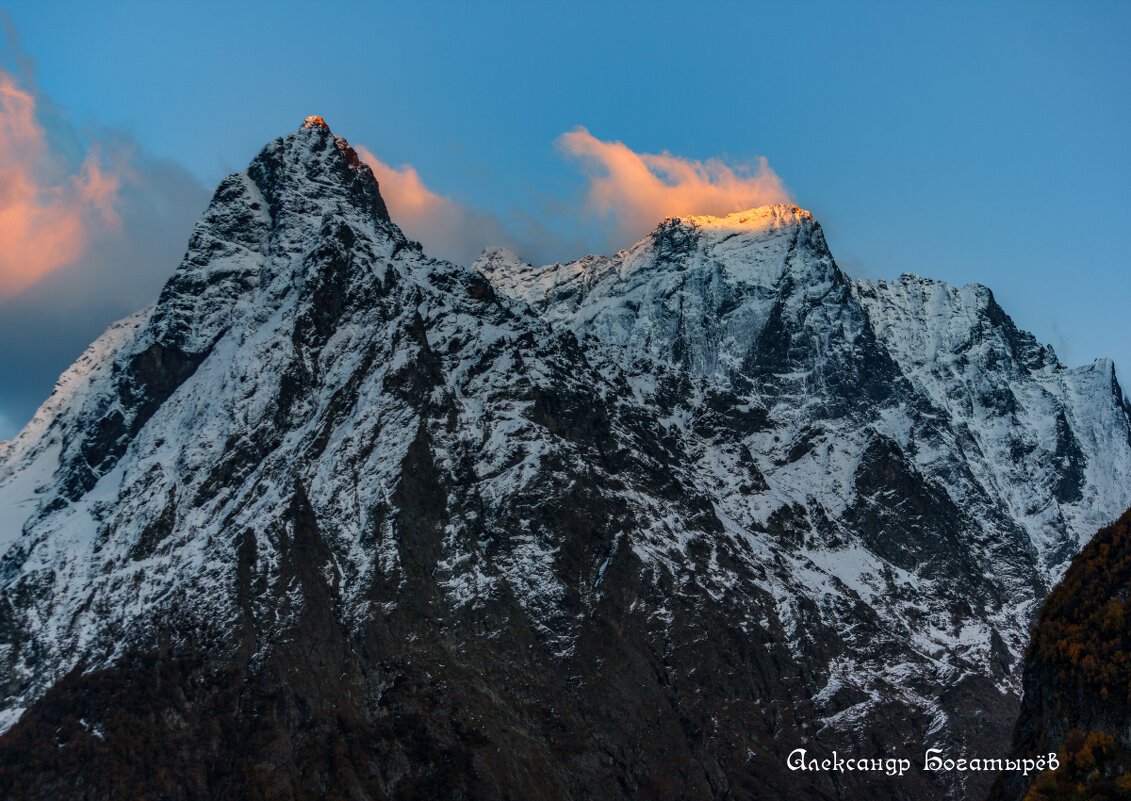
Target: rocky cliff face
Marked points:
1077	679
334	519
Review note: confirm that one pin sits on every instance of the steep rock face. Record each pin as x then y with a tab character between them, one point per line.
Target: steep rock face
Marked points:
1078	679
334	519
1048	441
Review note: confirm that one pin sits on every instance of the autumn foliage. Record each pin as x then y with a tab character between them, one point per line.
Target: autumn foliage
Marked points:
1082	643
1090	771
1084	629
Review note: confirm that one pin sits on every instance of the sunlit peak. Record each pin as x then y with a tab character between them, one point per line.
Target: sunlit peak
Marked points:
756	219
314	121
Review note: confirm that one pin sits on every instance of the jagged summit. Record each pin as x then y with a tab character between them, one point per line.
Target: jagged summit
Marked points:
696	289
310	174
497	253
351	157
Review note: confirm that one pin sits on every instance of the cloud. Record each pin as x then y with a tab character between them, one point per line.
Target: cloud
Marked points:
452	230
634	190
416	204
47	216
446	228
91	227
628	194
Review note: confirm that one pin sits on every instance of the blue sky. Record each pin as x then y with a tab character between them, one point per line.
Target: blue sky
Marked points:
966	142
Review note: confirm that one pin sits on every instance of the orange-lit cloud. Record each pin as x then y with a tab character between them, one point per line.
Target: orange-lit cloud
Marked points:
47	215
631	192
637	190
416	205
446	228
91	226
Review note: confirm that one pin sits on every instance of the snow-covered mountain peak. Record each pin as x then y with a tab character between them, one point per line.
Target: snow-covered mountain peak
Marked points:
506	270
314	121
499	260
753	245
761	218
755	302
312	164
924	283
758	238
696	291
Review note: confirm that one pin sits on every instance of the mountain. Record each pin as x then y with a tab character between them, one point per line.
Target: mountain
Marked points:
755	302
1077	679
335	519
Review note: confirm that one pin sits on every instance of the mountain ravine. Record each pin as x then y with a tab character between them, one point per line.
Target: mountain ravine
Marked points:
334	519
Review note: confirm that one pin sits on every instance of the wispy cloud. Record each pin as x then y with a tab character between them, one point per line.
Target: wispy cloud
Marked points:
634	191
446	228
458	231
48	214
90	228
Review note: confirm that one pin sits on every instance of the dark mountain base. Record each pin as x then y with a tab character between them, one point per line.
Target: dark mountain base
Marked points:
392	716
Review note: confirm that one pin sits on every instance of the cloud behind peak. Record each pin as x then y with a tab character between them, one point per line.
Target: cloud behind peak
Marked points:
634	191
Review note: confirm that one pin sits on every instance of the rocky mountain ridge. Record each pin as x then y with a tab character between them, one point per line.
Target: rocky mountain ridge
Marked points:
758	293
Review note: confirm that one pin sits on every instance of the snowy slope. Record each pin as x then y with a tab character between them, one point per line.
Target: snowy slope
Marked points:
755	302
29	462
